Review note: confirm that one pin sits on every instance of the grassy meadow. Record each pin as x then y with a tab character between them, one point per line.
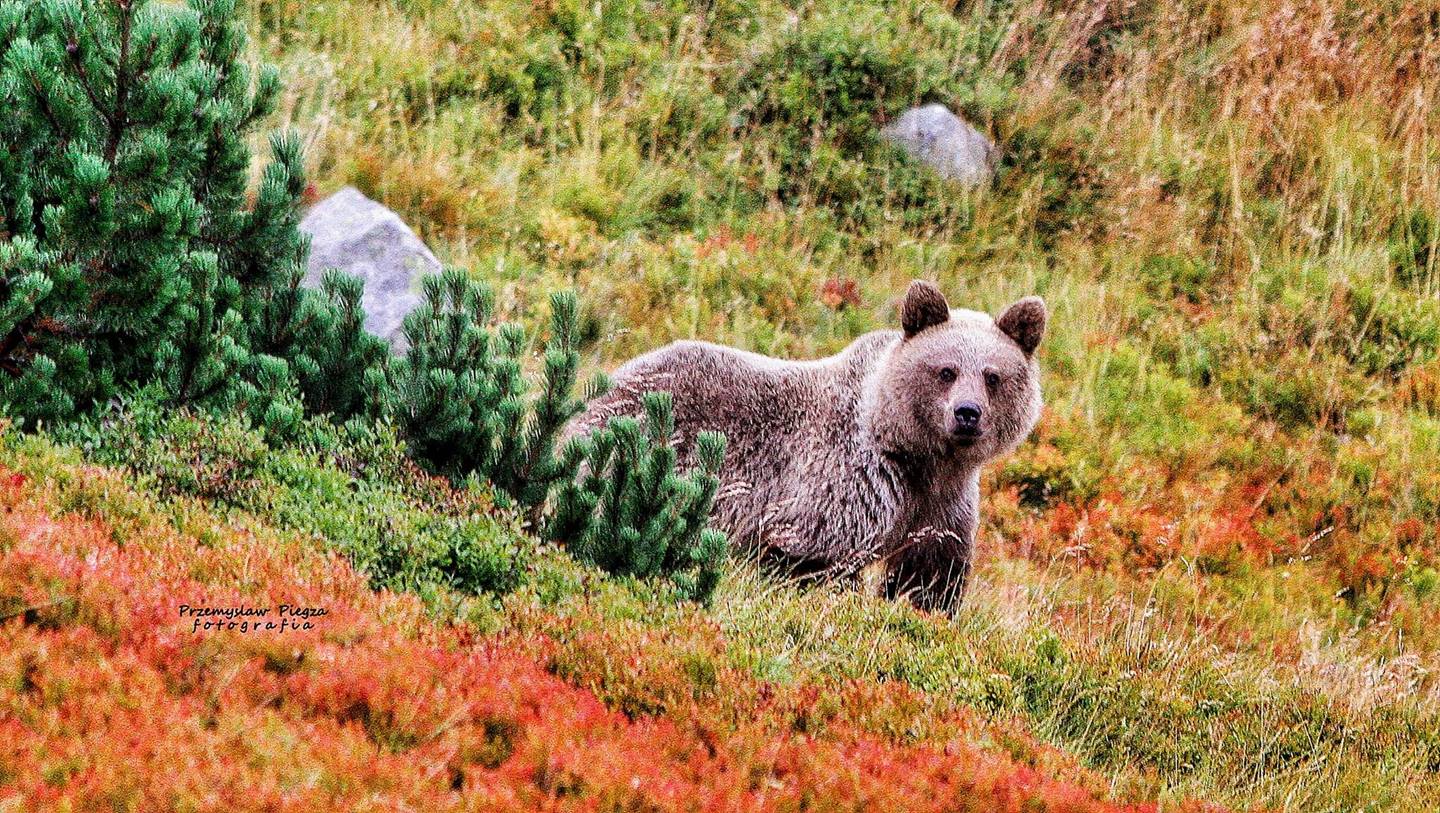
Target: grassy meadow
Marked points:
1211	578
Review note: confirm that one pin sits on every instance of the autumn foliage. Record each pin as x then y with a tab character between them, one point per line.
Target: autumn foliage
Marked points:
114	701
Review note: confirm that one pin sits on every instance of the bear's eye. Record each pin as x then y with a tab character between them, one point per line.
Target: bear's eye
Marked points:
947	374
992	379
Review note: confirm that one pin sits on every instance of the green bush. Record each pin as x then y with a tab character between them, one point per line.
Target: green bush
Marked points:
831	78
1167	276
631	513
351	486
1413	240
179	453
1044	480
824	90
462	403
1391	329
128	250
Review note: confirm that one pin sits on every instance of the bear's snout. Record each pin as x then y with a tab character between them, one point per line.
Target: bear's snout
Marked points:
967	419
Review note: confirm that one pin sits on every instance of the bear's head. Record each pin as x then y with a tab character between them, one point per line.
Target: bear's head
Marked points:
959	386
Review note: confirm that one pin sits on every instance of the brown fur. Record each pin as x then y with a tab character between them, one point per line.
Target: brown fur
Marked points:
857	461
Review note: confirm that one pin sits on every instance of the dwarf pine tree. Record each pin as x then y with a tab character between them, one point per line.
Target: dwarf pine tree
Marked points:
461	401
129	251
632	513
457	394
322	334
532	468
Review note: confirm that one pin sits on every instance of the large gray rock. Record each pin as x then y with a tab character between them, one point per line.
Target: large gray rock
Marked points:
945	142
359	236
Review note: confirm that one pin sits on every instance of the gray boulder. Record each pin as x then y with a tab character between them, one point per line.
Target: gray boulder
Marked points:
356	235
945	142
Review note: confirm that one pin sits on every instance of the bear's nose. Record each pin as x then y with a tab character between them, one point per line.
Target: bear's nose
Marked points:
967	416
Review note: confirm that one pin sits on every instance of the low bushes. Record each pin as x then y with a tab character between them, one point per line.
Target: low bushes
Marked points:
351	487
369	703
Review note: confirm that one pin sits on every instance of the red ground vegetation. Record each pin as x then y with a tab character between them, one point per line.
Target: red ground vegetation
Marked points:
113	700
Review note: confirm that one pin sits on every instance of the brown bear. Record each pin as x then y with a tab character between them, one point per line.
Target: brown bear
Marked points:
866	463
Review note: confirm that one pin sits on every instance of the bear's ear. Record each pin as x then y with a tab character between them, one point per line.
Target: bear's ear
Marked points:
924	307
1024	322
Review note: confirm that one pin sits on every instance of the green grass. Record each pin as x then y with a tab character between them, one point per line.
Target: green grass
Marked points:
1118	679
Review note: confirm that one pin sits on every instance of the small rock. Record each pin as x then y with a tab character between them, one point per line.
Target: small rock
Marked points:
945	142
356	235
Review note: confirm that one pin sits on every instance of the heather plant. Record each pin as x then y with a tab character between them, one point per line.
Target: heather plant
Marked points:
375	700
176	452
352	486
1019	671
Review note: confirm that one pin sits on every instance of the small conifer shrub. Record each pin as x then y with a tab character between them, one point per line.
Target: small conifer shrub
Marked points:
462	402
632	513
131	249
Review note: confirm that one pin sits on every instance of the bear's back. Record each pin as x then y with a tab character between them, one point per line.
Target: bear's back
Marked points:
757	401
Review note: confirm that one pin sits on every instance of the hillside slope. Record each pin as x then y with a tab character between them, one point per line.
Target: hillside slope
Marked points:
1213	574
1222	543
338	697
1056	688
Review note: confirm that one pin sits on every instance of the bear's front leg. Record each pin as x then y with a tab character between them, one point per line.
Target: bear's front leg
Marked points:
931	569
